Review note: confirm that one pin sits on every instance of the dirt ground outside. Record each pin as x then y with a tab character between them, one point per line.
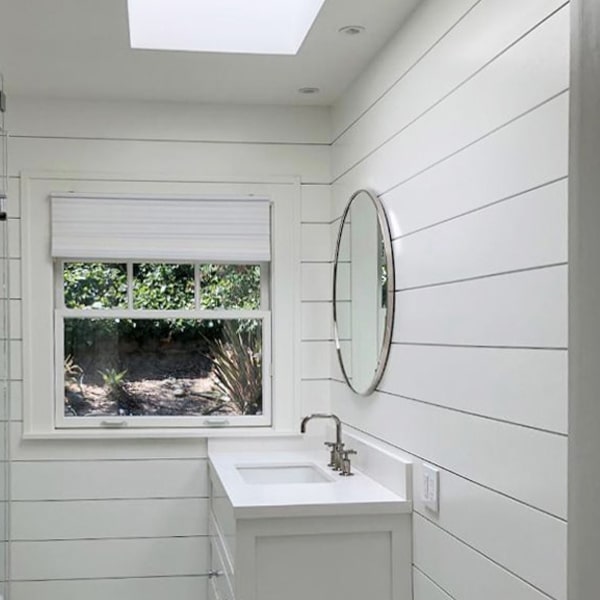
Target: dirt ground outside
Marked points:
152	385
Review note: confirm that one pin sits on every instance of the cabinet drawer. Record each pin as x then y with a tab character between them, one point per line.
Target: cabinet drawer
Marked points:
219	564
221	508
216	538
223	590
219	590
213	594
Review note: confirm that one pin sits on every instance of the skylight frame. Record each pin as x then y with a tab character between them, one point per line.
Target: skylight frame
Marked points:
271	27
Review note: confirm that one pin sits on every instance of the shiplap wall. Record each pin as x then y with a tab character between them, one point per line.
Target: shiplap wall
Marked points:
461	126
5	302
128	519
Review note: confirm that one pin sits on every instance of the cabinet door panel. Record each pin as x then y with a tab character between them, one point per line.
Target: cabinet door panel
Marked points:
283	562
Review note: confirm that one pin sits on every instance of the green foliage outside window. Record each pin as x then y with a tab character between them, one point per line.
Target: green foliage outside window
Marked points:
163	286
95	285
156	286
230	286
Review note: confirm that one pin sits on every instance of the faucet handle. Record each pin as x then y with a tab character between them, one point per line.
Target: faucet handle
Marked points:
346	470
335	446
332	455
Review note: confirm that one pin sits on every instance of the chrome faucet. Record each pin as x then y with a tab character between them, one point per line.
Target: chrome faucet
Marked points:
337	447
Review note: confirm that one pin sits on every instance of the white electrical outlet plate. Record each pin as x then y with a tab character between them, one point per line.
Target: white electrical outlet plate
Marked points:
431	488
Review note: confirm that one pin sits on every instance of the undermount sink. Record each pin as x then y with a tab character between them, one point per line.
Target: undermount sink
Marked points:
277	474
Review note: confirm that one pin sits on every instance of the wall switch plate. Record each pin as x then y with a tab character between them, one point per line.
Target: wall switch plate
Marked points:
431	488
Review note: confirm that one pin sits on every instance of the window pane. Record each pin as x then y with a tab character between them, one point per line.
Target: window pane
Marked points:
230	286
95	285
163	287
163	367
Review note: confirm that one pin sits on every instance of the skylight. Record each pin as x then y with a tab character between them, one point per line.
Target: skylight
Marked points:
238	26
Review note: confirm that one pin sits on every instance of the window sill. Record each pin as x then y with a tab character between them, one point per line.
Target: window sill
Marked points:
165	433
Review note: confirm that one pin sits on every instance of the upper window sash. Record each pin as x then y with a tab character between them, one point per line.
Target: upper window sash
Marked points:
263	290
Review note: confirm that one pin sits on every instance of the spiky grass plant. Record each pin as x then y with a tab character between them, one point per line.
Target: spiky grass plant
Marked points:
73	375
237	366
113	382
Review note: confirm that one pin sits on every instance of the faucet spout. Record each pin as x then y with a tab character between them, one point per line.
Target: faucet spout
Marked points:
339	458
336	419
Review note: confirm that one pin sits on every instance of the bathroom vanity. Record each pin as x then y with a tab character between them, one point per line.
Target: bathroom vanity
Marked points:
285	527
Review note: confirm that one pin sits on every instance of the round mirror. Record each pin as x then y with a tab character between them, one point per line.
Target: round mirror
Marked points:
363	292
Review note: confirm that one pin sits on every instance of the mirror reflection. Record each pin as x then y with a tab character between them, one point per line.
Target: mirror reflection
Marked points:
363	292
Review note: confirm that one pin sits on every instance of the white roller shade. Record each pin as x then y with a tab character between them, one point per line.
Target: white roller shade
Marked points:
236	230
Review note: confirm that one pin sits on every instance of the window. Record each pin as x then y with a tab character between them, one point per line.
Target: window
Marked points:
161	341
101	261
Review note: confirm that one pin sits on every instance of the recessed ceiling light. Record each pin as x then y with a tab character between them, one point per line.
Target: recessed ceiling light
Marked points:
242	26
308	90
352	30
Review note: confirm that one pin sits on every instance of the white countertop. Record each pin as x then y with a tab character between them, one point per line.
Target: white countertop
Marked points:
357	495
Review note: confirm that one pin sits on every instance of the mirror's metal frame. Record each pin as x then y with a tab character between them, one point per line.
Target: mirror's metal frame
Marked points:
391	304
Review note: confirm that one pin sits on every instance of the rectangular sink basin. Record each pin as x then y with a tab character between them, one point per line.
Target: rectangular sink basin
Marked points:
282	474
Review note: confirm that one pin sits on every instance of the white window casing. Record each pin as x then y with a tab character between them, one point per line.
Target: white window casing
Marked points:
47	199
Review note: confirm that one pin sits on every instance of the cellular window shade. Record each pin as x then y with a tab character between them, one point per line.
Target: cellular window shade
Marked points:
229	230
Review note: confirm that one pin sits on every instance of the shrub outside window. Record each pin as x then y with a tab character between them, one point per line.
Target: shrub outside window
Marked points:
147	344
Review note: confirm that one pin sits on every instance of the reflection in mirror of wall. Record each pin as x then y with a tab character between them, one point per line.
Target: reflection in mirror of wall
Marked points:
363	292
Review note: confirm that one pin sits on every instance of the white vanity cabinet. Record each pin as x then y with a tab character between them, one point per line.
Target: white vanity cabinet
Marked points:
285	542
222	532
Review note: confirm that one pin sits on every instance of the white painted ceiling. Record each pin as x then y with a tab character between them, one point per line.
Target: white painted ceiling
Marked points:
80	49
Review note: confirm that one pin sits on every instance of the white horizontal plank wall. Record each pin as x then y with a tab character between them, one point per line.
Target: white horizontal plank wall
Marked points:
128	519
6	332
461	126
11	329
316	296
